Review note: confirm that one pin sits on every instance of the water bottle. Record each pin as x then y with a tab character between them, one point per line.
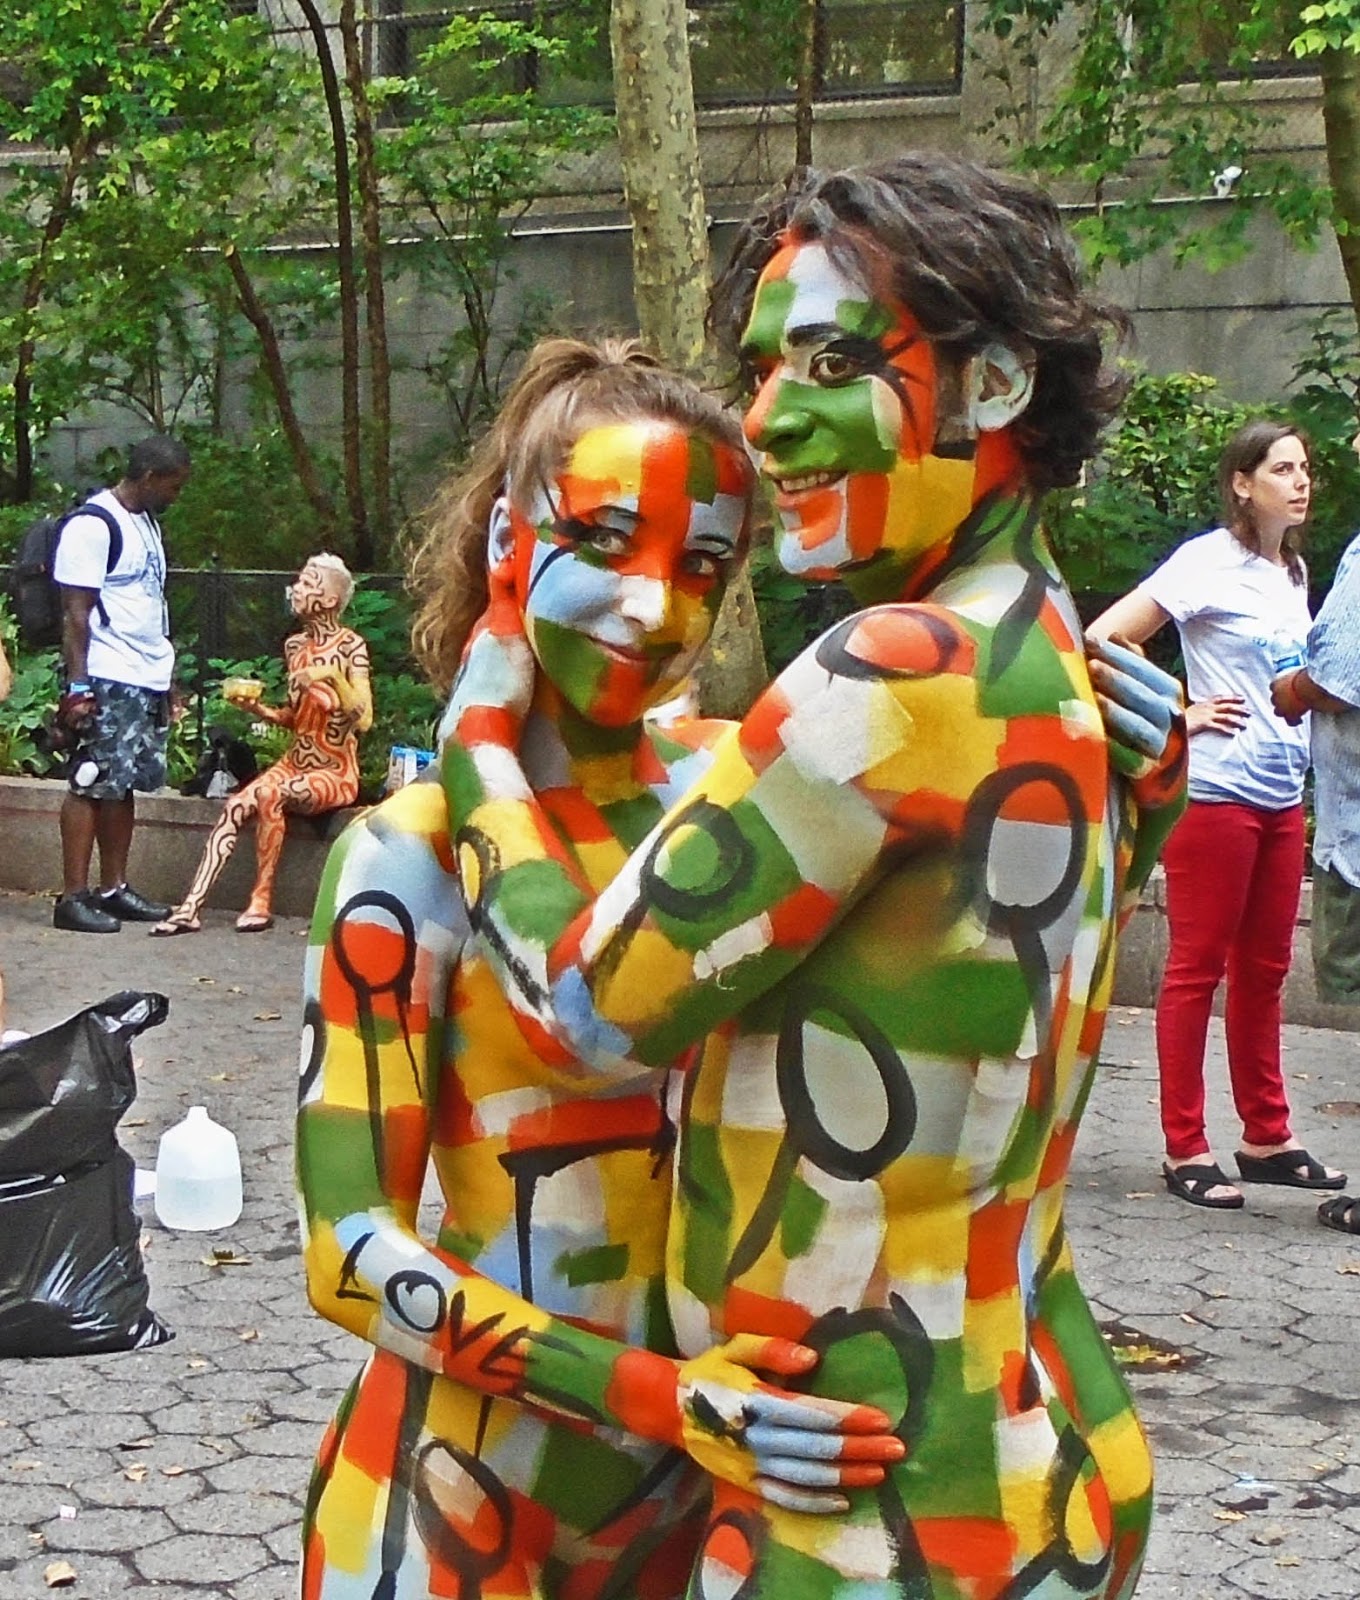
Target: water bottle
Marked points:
1285	655
198	1174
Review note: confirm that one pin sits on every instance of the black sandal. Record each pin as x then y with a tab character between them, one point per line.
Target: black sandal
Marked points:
1291	1169
1193	1181
1343	1214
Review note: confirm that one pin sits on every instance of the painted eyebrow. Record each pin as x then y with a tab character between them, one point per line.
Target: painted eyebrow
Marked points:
807	333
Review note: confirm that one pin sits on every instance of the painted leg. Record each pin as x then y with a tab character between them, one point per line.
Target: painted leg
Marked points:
216	853
270	829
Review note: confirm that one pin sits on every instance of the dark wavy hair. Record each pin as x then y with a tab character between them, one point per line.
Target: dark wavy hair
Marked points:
977	257
1244	452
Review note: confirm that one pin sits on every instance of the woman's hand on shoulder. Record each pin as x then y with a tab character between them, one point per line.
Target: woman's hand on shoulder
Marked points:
1221	713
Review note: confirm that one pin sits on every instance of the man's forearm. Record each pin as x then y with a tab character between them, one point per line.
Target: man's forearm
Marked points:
75	641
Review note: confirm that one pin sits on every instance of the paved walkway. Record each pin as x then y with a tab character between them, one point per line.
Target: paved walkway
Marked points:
179	1471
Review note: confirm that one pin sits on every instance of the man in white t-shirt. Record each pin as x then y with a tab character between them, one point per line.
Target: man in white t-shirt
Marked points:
118	661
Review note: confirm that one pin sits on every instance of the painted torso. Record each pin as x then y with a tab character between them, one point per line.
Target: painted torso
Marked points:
556	1187
873	1152
324	739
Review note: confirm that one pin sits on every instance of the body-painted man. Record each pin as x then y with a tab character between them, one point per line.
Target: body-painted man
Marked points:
617	499
330	703
894	896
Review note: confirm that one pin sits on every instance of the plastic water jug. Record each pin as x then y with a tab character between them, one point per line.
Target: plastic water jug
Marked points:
198	1174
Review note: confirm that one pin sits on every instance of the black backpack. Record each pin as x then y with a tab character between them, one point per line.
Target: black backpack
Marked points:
34	593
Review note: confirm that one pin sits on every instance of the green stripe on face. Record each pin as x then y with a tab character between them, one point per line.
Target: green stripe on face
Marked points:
572	661
701	472
769	316
871	319
851	424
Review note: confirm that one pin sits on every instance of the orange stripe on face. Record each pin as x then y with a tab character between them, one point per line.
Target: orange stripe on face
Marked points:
866	507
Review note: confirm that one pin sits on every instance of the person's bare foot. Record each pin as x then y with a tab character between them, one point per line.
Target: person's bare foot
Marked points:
176	922
254	922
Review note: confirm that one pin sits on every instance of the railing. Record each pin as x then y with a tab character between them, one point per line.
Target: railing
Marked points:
861	49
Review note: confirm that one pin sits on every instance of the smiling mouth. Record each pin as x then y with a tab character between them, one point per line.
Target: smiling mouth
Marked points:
800	483
637	655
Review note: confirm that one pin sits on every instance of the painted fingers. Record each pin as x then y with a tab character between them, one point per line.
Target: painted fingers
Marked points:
1139	704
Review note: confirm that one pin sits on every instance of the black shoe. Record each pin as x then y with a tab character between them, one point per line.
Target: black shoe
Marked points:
78	913
129	906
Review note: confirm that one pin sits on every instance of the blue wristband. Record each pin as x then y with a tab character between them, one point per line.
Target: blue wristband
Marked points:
78	688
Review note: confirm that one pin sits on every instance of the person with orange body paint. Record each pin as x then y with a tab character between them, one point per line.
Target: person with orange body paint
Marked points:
330	703
885	915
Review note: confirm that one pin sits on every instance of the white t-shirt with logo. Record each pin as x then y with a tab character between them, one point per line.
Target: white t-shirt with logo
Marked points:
133	646
1240	617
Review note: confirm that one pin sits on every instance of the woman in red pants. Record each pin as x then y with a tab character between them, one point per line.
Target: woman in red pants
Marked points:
1239	598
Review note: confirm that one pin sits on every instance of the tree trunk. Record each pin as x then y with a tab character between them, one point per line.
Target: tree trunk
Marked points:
258	316
63	205
810	20
1341	119
361	540
370	222
659	145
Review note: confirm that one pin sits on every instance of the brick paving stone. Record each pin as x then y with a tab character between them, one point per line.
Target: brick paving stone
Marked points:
1275	1394
108	1531
201	1558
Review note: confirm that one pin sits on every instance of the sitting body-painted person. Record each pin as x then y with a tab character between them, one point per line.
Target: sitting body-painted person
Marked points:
330	703
617	499
885	914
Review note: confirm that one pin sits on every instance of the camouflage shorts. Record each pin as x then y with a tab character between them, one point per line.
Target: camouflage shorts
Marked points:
125	743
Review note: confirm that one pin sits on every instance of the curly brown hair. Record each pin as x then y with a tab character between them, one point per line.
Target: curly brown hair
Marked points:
977	257
564	386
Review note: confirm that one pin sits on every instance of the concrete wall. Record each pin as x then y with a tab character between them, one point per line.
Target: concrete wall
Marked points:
169	837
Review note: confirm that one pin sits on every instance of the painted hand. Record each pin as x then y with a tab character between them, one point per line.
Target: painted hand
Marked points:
1140	704
797	1451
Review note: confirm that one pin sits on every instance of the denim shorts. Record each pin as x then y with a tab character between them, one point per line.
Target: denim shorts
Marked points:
124	743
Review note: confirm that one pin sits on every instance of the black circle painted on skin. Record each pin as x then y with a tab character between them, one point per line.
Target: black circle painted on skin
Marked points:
414	1281
314	1018
1084	1577
753	1534
834	653
984	811
445	1542
805	1128
400	981
731	873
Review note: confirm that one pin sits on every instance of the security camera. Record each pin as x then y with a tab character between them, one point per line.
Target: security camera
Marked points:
1225	182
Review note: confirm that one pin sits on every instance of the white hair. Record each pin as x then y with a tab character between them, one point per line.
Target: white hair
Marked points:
335	566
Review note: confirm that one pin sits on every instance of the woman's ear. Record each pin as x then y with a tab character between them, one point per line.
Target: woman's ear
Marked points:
998	385
500	541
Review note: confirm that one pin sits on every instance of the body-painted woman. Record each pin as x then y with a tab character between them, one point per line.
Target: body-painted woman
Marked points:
894	896
616	499
329	704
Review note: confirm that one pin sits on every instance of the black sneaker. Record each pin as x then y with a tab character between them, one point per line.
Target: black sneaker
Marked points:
79	913
129	906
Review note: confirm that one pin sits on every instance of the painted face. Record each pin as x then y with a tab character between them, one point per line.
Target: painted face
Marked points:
1279	488
311	591
620	563
846	422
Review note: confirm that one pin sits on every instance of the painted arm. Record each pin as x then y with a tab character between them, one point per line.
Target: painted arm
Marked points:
383	943
865	750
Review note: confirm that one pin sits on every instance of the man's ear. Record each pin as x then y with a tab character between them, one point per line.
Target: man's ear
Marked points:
499	538
998	384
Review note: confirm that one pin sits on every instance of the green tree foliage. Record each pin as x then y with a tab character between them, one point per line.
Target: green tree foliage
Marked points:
143	115
1155	100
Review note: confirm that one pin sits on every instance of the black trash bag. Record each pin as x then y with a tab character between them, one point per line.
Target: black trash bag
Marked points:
71	1275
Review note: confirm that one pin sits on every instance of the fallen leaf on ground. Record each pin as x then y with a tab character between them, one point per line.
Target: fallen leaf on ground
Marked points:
136	1444
248	1335
205	980
1140	1194
59	1574
269	1016
133	1122
136	1474
172	1472
1349	1269
1224	1515
1287	1561
235	988
226	1258
198	1364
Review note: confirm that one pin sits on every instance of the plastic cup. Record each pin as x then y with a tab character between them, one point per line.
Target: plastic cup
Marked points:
246	689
